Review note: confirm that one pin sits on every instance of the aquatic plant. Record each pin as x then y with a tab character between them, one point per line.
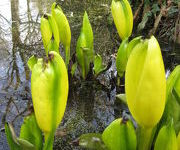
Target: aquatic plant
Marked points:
64	29
85	50
49	88
50	33
123	17
30	135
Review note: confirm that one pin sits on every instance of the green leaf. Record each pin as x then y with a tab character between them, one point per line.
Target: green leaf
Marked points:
172	80
87	30
120	135
177	88
11	137
166	139
145	83
132	44
172	109
31	62
92	141
73	69
31	132
98	65
84	48
121	59
122	98
26	145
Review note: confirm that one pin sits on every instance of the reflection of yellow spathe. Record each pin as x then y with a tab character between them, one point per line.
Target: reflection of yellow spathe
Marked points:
49	86
123	17
145	83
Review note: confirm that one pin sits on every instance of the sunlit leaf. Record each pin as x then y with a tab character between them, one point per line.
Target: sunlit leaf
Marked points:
31	132
98	65
166	139
120	135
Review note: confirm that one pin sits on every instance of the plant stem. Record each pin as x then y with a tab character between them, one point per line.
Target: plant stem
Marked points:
49	140
145	137
67	50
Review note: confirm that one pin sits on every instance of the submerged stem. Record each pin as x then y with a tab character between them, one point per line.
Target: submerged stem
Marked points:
145	137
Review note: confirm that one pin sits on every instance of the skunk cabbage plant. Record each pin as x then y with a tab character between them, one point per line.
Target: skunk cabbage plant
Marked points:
145	83
50	33
84	48
123	17
49	87
64	29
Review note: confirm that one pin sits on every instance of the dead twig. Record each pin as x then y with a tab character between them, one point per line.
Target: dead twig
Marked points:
138	10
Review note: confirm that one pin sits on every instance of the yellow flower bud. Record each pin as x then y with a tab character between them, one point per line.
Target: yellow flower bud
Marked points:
145	83
49	87
50	33
123	17
64	29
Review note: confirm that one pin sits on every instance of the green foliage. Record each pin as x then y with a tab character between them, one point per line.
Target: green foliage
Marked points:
98	65
121	59
84	48
30	135
120	135
11	137
166	139
31	132
172	109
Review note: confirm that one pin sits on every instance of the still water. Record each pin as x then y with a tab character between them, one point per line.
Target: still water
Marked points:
91	104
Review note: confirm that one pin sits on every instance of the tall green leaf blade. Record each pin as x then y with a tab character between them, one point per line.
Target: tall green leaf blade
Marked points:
31	132
11	138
